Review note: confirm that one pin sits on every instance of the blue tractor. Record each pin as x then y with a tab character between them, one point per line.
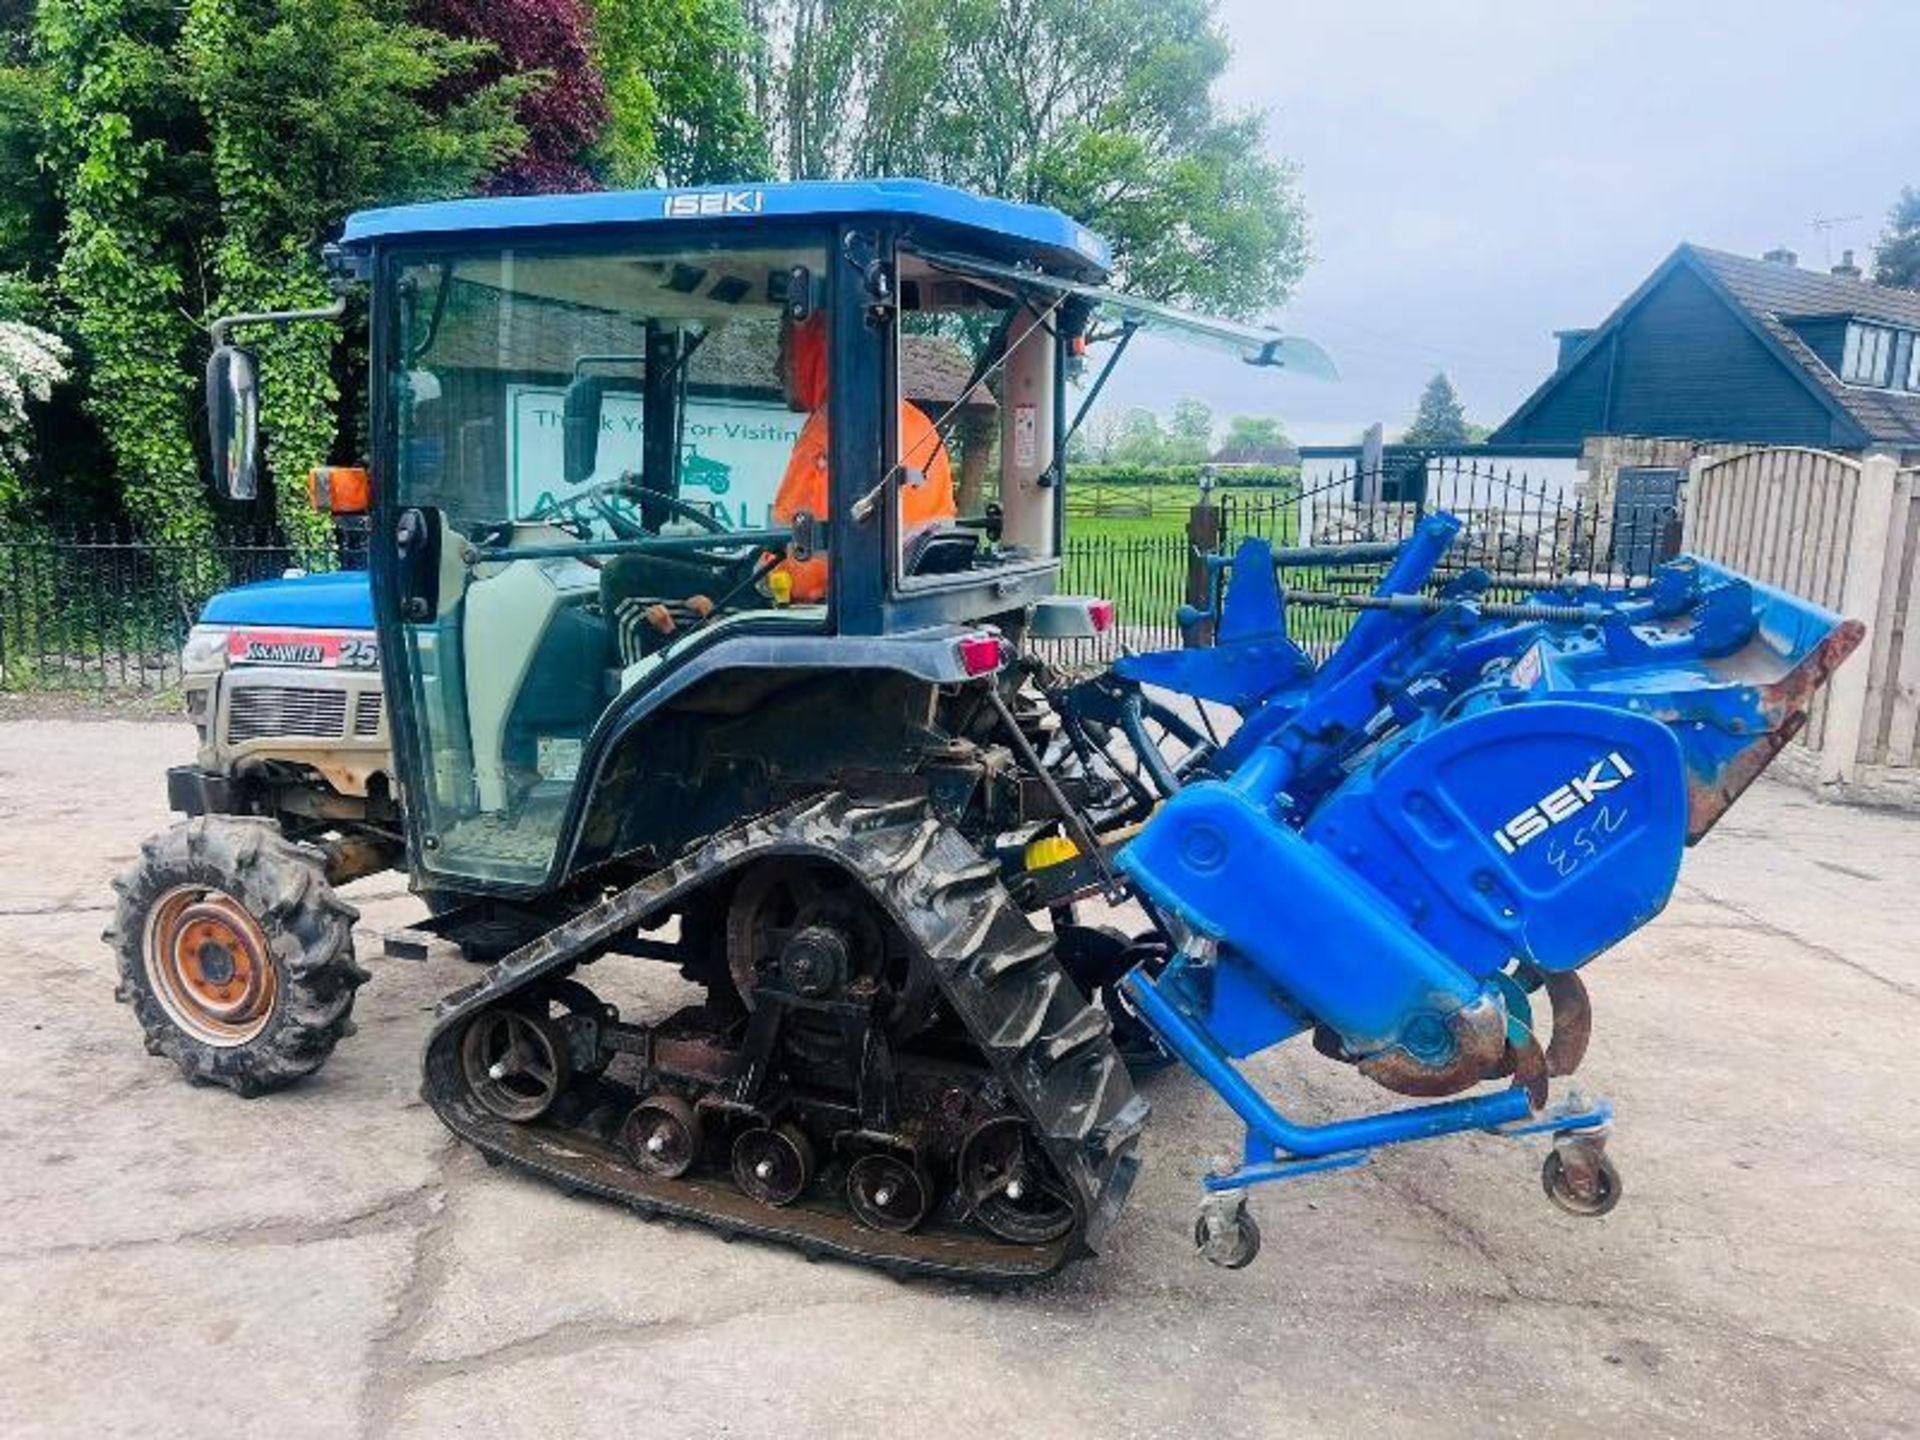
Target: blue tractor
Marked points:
868	825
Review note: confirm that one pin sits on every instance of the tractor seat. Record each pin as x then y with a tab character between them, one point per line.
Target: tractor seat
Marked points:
943	550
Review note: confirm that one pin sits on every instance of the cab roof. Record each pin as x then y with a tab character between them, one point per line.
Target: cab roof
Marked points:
1014	231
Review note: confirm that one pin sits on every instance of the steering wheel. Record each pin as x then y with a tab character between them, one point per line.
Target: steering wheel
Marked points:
613	502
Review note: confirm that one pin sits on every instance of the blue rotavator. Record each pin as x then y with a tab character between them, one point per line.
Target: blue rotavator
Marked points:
820	767
1462	806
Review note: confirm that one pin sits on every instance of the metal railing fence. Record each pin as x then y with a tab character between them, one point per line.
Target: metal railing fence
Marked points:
104	610
1524	530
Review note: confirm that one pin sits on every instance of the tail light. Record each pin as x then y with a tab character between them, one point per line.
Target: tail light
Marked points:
981	654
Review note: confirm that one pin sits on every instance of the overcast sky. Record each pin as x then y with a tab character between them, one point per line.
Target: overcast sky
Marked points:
1481	173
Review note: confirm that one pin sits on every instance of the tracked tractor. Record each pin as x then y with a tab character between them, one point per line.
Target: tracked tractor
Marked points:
812	760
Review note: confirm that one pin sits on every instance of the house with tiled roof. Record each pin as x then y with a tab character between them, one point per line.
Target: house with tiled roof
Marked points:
1716	354
1720	347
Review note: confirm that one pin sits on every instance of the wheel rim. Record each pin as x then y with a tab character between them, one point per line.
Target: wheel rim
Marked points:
209	965
512	1064
886	1193
662	1135
773	1166
1011	1185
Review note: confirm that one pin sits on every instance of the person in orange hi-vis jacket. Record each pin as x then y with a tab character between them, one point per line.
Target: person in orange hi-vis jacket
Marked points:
803	372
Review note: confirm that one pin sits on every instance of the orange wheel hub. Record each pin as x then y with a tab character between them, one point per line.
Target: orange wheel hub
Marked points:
208	960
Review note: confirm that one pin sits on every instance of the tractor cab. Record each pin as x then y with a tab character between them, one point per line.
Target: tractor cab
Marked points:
629	445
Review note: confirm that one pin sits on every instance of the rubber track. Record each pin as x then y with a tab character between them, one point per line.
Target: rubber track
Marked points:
1046	1045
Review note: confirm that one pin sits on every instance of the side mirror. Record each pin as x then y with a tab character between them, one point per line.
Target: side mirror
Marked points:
580	420
233	417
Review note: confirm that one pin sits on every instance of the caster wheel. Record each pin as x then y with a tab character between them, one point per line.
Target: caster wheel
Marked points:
662	1136
886	1193
1585	1184
515	1064
773	1165
1229	1240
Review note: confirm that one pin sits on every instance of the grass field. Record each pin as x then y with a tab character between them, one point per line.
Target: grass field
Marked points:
1136	512
1129	544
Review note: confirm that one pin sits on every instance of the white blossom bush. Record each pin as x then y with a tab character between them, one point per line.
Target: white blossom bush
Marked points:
32	362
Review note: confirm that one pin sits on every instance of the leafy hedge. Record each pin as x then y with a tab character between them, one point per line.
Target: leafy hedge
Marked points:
200	152
1174	476
114	106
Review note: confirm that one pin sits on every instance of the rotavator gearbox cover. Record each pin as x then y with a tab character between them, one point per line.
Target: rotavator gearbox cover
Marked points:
1546	830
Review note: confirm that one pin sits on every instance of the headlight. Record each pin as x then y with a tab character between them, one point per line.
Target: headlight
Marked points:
205	652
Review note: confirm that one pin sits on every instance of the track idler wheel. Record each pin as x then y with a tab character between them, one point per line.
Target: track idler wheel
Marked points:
662	1135
1010	1185
1579	1178
515	1064
773	1165
886	1193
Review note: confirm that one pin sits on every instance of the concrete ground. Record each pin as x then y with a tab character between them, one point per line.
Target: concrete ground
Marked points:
327	1262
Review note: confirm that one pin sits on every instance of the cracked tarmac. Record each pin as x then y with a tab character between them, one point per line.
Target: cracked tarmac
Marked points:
328	1262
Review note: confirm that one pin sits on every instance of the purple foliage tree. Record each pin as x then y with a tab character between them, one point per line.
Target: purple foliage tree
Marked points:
563	113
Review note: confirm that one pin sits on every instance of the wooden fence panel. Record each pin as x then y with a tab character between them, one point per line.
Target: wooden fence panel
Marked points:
1780	516
1783	516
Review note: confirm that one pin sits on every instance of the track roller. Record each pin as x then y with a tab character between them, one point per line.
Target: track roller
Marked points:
1010	1184
662	1135
515	1064
773	1164
886	1193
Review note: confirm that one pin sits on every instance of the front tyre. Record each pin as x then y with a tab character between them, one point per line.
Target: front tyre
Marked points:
235	953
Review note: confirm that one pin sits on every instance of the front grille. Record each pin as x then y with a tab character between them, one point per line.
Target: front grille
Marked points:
366	715
257	711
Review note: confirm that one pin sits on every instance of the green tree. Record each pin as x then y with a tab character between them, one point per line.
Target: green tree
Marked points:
677	77
1896	258
290	161
1103	108
1442	419
201	153
1093	442
1137	439
29	201
1254	439
129	151
1189	433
